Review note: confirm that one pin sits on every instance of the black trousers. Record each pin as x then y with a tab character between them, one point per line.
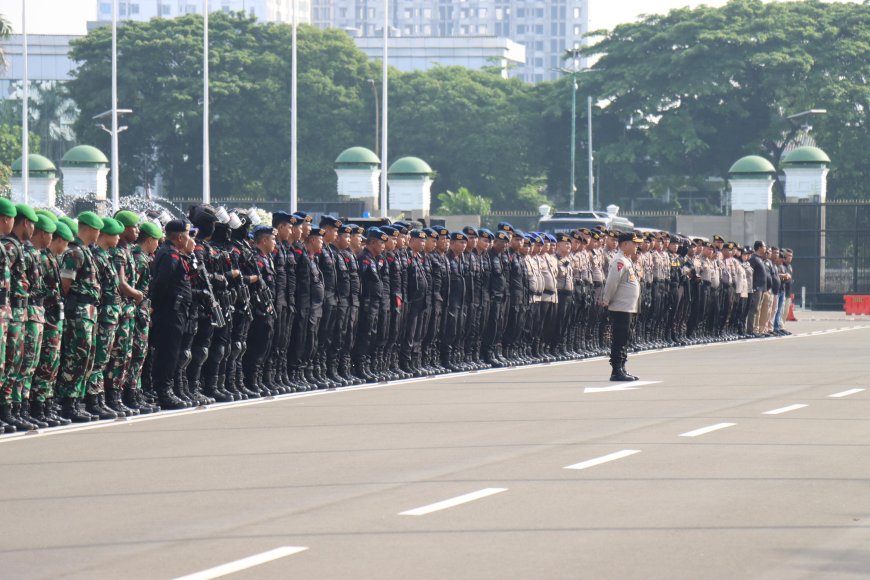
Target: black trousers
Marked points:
621	325
167	334
259	342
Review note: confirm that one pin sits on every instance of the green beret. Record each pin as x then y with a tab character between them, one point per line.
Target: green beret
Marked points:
70	224
45	224
152	230
112	227
63	231
26	211
127	218
47	213
91	219
7	208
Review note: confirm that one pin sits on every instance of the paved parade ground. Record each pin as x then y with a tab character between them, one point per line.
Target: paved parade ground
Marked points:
737	460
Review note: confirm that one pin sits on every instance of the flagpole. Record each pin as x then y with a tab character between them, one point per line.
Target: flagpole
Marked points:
294	176
206	152
25	112
115	161
384	100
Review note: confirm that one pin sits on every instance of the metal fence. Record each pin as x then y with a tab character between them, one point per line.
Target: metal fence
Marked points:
831	243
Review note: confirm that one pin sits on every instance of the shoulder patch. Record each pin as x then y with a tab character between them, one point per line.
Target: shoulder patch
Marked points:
619	266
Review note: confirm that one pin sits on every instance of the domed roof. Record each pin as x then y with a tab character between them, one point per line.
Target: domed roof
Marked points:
752	164
35	163
84	155
806	155
356	155
410	166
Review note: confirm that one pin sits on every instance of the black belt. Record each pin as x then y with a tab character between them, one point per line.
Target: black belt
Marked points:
18	302
75	297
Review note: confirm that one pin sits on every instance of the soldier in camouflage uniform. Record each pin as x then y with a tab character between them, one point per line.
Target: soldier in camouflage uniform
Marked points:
115	374
33	327
19	294
7	220
143	254
81	289
108	315
42	393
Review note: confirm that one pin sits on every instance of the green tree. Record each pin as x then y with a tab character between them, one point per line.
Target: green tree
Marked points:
702	87
463	202
160	72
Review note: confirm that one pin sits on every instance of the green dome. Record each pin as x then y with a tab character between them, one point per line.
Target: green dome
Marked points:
357	156
35	164
84	156
752	164
806	156
410	166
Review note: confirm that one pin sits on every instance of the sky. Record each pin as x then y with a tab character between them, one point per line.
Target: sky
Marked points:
71	16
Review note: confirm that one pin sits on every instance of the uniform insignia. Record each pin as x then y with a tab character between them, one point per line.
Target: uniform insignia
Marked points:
366	262
619	266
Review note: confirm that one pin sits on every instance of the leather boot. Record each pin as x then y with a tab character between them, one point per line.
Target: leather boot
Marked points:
114	403
210	389
96	406
131	400
40	411
69	410
168	399
7	415
20	422
51	413
28	416
619	374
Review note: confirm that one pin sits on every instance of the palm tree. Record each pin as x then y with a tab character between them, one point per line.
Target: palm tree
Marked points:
5	32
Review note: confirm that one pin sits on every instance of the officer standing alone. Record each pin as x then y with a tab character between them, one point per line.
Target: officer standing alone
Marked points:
620	297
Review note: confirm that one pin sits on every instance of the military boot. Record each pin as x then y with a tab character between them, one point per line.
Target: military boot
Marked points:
27	416
7	415
169	401
39	411
69	409
211	389
51	413
95	405
113	402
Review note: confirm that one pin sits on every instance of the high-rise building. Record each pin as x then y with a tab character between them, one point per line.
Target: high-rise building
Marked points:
547	28
263	10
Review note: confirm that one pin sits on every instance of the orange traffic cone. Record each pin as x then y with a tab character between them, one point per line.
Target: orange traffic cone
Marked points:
790	317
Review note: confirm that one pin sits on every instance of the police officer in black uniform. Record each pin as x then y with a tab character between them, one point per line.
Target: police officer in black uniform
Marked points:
171	297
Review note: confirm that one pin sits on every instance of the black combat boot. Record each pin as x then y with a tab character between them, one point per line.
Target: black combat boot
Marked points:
52	413
39	411
211	389
168	400
20	423
114	403
94	406
27	416
9	419
130	398
619	374
69	409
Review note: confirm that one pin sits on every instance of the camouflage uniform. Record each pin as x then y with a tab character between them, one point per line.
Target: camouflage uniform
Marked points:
122	347
33	328
141	319
5	310
49	354
107	320
79	332
19	292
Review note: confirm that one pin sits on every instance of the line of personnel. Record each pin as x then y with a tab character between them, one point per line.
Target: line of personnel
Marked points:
107	317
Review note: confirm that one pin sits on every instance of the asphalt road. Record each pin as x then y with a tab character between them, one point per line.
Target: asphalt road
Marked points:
687	475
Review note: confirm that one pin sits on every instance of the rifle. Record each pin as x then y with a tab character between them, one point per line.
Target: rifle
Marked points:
218	319
263	294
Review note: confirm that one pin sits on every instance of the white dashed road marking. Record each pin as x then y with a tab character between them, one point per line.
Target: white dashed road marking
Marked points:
244	563
603	459
704	430
453	502
845	393
784	409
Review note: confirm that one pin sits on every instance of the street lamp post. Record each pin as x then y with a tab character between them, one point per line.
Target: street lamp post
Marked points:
294	169
115	160
574	71
384	88
377	122
25	112
206	152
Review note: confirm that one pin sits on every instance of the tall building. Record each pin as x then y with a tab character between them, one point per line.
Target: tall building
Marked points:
547	28
263	10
